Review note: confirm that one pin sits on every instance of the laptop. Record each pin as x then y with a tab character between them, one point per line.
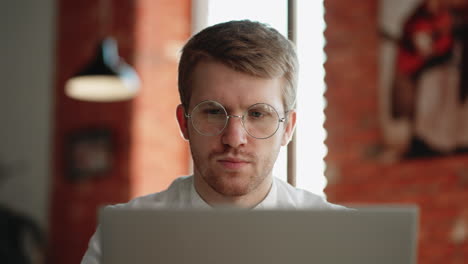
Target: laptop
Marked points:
364	236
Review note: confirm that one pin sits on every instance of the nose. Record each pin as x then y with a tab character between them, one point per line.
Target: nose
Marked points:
234	133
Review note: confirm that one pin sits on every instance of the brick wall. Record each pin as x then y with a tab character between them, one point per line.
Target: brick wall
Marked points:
147	149
438	185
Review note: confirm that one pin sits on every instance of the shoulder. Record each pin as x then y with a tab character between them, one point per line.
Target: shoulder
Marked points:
289	196
176	195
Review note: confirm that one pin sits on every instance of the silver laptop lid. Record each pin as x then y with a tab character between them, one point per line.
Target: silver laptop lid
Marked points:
365	236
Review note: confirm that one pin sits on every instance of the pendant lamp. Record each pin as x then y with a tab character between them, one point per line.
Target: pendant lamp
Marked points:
106	78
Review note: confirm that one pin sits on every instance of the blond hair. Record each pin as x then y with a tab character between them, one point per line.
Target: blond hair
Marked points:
245	46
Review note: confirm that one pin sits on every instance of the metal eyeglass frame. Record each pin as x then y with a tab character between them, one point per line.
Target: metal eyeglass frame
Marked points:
280	119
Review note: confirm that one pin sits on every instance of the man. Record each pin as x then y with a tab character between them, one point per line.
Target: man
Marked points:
237	84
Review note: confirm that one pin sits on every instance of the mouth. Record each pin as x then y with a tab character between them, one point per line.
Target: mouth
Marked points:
233	163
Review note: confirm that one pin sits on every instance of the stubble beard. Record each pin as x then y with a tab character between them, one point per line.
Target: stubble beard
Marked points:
234	184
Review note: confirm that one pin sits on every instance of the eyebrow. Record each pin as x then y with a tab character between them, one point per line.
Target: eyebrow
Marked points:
244	107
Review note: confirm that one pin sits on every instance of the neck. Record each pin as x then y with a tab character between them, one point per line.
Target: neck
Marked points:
216	199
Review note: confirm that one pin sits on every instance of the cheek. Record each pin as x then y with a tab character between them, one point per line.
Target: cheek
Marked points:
202	145
268	149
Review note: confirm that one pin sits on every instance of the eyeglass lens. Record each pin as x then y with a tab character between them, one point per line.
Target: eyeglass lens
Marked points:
210	118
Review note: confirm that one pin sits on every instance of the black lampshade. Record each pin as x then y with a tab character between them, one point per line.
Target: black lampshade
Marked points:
107	78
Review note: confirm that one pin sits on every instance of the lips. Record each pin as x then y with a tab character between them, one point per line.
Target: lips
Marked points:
233	163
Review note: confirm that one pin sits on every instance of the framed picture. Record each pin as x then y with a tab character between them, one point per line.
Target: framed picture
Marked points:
89	153
423	77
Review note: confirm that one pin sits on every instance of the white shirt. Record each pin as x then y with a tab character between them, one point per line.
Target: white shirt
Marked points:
182	194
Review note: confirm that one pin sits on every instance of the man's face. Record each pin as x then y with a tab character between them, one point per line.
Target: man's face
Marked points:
233	163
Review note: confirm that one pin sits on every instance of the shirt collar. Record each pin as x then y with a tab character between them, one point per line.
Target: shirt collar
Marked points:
270	200
196	200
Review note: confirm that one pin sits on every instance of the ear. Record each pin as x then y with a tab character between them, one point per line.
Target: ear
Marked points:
289	129
182	120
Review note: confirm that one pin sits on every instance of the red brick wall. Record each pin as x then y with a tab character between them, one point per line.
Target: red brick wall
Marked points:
161	29
439	186
148	152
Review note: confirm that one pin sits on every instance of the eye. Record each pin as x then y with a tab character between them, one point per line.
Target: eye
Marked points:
214	111
261	112
256	114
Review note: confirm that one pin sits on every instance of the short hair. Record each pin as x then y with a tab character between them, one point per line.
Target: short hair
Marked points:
249	47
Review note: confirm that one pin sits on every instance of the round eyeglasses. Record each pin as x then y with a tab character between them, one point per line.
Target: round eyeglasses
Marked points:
209	118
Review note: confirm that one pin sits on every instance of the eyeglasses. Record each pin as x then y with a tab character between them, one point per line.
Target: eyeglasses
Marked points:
209	118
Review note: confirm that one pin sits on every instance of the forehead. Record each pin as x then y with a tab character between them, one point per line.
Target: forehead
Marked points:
213	80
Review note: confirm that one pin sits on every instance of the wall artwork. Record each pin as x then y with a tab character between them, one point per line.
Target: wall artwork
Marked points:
423	77
89	154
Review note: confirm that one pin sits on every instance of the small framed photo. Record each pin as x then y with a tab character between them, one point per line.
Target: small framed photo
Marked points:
89	154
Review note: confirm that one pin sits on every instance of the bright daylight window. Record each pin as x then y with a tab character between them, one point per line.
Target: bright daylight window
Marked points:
310	25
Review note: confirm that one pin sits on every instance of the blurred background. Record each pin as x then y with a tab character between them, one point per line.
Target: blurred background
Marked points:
61	159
